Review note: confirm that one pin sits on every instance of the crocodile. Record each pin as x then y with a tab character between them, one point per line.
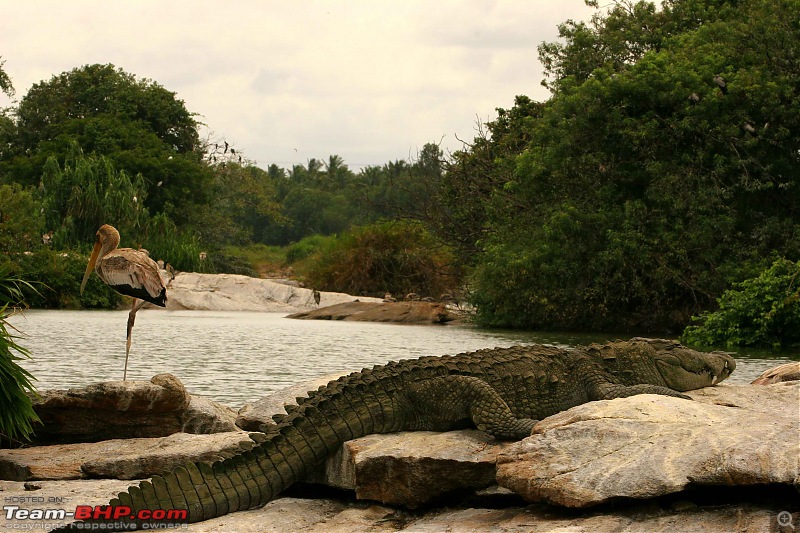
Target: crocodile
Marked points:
502	391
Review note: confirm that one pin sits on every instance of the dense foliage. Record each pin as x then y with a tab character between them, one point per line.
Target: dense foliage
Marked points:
761	311
663	168
398	257
16	409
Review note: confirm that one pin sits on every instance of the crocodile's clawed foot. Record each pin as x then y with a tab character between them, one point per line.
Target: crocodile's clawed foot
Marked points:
522	428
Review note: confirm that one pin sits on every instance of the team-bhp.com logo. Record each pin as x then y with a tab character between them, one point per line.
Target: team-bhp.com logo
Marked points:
112	516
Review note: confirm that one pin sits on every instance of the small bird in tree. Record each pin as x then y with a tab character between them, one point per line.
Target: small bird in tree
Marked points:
127	271
721	83
226	147
694	98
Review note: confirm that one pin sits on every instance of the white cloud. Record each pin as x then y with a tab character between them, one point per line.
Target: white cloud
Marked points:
371	81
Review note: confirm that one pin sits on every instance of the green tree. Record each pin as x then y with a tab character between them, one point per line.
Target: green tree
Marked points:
65	102
6	86
7	128
660	170
476	176
337	175
87	193
141	127
21	219
244	205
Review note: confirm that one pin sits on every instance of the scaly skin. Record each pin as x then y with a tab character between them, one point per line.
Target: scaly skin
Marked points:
503	392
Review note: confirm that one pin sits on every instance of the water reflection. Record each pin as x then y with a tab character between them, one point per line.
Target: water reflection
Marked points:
237	357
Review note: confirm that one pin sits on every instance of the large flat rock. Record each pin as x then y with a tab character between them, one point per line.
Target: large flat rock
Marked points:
118	459
647	445
234	292
399	312
337	516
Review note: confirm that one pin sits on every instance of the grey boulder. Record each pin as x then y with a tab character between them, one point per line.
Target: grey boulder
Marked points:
646	446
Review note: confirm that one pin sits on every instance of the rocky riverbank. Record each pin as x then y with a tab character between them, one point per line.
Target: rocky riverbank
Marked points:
233	292
726	461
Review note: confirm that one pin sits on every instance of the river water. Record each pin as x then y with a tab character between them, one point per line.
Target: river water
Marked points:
238	357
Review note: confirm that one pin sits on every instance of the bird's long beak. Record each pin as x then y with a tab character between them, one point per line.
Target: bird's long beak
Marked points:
90	266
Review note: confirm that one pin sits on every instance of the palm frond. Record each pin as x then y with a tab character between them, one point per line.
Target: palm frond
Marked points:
16	409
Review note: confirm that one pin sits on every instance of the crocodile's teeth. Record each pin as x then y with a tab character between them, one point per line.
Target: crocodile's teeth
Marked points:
714	379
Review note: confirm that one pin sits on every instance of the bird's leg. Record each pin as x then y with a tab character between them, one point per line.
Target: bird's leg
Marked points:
137	304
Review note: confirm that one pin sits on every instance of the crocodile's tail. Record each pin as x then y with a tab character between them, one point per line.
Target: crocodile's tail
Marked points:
298	443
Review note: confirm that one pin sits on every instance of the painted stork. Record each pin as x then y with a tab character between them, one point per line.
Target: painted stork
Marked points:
127	271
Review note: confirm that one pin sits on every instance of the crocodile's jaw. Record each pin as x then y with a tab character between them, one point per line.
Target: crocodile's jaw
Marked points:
689	370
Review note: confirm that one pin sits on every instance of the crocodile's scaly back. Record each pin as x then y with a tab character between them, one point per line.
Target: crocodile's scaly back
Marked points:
500	391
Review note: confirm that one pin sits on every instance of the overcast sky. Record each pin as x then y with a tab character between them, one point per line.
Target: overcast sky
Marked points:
285	81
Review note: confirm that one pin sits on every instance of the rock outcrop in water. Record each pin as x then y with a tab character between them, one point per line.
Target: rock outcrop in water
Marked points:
396	312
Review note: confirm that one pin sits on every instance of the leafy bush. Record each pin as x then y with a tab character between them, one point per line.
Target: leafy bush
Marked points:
231	264
257	260
21	220
761	311
304	248
16	409
60	275
181	249
398	257
87	193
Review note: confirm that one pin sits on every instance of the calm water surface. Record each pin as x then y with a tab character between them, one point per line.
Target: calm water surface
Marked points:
238	357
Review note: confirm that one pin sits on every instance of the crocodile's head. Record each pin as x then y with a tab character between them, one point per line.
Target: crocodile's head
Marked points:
665	363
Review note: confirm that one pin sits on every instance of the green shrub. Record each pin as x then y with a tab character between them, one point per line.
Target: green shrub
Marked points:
251	260
305	248
181	249
60	274
395	257
231	264
87	193
16	409
761	311
21	220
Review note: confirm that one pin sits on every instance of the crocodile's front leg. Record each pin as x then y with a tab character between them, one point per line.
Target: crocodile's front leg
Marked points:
609	391
447	402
